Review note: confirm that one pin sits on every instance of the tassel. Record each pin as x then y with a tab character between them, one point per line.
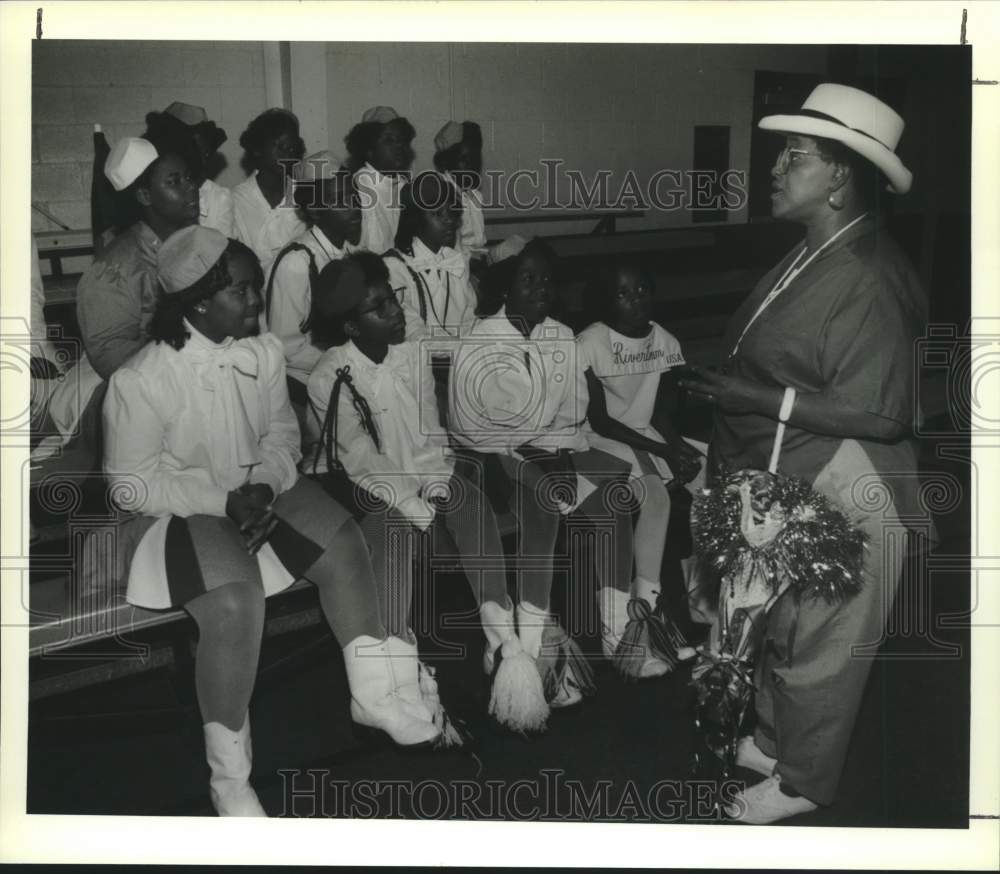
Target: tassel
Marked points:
561	661
647	635
453	734
517	701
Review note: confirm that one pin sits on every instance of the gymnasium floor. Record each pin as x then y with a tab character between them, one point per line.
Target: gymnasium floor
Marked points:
134	746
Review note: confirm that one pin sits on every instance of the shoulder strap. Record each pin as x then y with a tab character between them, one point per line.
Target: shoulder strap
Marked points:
418	283
328	432
313	273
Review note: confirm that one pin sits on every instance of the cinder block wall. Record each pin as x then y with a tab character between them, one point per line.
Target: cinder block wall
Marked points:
75	84
615	107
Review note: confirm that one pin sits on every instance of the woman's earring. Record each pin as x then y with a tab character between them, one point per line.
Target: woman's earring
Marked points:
201	308
835	201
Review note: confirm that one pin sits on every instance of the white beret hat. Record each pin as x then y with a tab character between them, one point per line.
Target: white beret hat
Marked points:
187	113
187	255
381	114
127	159
450	135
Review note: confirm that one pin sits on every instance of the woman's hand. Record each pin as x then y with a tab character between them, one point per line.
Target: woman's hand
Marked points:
684	460
731	394
558	468
250	508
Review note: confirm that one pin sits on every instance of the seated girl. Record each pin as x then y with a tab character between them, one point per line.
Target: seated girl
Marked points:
264	217
215	201
519	398
327	202
429	276
202	447
375	396
459	157
380	155
627	359
117	294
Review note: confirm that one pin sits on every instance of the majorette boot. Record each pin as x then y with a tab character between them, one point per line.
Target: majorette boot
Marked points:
416	684
375	699
230	758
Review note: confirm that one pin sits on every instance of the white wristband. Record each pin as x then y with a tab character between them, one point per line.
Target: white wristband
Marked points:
787	402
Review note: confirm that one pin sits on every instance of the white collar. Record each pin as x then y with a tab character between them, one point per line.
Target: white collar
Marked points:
201	340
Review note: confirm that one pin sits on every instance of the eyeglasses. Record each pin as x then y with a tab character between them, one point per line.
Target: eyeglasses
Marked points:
788	156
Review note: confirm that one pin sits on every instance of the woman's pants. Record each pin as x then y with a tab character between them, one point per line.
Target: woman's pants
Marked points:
816	656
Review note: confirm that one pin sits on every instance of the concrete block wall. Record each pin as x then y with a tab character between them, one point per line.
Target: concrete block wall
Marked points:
620	107
115	83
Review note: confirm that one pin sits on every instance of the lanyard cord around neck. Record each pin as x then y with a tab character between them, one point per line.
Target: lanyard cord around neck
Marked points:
430	297
786	279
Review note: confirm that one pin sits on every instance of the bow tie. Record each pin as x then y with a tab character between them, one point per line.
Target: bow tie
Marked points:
445	258
231	375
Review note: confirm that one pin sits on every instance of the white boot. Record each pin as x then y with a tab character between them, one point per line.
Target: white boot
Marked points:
561	690
498	626
374	699
614	617
229	756
405	662
417	687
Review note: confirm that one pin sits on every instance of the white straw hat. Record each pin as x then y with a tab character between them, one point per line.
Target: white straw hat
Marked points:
853	117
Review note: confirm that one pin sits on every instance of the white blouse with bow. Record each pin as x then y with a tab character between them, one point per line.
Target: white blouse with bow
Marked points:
194	424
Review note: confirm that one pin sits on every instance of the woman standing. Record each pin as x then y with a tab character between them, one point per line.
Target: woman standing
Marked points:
264	214
202	445
824	342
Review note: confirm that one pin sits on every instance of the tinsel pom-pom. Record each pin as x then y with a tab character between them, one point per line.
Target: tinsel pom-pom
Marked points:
778	527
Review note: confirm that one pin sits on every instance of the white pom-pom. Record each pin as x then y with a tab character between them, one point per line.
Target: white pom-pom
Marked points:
518	700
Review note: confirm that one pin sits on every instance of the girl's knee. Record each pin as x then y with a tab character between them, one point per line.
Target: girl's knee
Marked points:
236	604
348	543
651	494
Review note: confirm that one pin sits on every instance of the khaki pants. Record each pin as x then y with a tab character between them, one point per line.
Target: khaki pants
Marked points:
816	656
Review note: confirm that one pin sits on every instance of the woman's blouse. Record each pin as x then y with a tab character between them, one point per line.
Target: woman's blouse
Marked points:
264	228
116	298
508	390
848	324
433	289
215	207
291	300
185	427
380	208
412	451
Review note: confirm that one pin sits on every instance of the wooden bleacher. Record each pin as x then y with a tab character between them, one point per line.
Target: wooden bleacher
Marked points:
702	274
